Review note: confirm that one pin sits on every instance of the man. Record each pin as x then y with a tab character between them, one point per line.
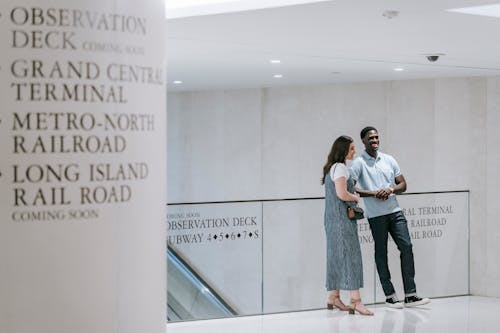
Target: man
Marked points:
379	179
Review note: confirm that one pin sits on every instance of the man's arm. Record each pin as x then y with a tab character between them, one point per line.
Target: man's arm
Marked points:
400	185
398	189
365	193
383	194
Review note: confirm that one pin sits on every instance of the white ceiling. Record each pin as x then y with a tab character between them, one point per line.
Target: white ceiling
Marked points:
185	8
330	42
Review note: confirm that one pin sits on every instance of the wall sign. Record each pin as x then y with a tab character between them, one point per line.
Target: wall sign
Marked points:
83	145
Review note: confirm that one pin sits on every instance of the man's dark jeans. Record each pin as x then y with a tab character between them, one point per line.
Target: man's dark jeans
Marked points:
396	225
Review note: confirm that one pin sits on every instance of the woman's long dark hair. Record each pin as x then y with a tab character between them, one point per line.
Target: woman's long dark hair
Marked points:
338	153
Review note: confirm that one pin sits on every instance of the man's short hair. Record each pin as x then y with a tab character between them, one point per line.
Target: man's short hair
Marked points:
366	130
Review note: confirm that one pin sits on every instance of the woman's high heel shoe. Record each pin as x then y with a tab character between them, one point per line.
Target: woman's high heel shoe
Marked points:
353	309
337	303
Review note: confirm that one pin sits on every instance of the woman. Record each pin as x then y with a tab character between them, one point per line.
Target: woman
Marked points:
344	267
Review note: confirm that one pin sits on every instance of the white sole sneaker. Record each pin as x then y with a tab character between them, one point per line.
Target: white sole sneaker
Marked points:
423	301
398	305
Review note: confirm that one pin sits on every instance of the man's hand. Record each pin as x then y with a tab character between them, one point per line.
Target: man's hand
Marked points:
384	194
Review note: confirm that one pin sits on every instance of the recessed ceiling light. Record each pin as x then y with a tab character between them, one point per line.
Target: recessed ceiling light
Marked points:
399	69
177	82
277	76
487	10
275	61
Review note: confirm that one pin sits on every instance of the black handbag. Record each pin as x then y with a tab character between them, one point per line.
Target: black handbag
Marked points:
355	213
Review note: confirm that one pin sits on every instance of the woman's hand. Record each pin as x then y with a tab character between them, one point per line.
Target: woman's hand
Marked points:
356	196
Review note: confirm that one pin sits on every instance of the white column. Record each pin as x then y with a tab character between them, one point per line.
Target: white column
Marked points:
83	166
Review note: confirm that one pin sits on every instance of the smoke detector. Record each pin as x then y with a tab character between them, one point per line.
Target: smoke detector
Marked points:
389	14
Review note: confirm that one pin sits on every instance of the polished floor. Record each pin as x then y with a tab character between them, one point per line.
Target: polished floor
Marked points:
445	315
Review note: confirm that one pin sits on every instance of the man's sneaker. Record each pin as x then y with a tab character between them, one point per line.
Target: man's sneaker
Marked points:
393	302
411	301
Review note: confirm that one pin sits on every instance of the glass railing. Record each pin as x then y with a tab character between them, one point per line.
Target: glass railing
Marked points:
189	296
268	256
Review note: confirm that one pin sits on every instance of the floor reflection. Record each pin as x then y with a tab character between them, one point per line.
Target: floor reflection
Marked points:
445	315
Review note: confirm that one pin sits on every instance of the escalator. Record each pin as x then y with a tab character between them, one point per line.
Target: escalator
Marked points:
189	296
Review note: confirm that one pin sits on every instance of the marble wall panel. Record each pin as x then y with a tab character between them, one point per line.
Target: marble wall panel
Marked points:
272	143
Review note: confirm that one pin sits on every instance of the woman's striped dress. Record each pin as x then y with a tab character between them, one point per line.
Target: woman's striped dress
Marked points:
344	269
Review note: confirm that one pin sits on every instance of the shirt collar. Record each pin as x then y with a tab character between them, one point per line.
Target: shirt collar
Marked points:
369	157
